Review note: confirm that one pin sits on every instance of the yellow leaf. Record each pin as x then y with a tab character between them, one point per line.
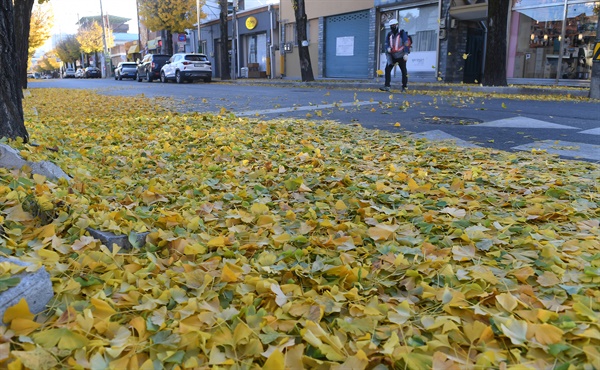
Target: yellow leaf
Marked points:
545	334
259	209
219	241
382	231
474	330
62	338
465	56
36	358
228	274
504	105
507	301
102	309
20	310
23	326
581	310
548	279
397	124
275	362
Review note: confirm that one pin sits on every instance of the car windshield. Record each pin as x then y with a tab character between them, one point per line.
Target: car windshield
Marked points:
128	65
196	58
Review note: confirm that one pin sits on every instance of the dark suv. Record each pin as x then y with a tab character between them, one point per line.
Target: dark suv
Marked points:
149	67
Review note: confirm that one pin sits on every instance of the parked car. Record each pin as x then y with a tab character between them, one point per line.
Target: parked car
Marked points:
125	70
69	73
80	73
92	72
183	67
149	67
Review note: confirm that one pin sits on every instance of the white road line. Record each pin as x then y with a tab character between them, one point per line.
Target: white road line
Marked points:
594	131
524	122
305	108
565	148
438	135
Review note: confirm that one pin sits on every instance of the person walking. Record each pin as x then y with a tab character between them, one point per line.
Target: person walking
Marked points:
397	48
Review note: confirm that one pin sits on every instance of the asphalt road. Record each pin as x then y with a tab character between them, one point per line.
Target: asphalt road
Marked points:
569	129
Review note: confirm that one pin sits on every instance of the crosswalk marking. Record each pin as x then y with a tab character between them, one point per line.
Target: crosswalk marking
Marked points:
594	131
565	148
524	122
438	135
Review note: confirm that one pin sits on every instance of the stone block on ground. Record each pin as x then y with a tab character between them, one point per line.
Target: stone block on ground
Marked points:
108	239
35	287
11	158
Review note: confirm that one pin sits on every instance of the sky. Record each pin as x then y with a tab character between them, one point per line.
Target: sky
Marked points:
68	12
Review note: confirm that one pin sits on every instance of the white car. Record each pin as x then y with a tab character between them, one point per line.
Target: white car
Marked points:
183	67
69	73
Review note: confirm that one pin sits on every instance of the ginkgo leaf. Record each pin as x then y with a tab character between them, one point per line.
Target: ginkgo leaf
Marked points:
507	301
20	310
515	330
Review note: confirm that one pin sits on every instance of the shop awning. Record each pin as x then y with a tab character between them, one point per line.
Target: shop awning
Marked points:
133	49
474	12
152	44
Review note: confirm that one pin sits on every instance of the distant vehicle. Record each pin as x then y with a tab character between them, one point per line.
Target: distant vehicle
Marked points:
46	77
149	67
69	73
183	67
80	73
126	70
92	72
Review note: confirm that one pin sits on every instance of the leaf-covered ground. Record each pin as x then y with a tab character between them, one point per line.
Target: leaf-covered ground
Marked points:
294	244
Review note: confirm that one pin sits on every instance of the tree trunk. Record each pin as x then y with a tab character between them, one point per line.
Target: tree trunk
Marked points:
494	73
12	123
303	52
224	50
169	42
23	9
595	80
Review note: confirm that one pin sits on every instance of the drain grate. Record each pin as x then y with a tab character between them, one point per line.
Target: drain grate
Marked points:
449	120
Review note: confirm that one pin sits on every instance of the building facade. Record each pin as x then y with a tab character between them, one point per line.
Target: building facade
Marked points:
548	42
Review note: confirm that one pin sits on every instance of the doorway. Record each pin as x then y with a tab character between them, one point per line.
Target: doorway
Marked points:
474	62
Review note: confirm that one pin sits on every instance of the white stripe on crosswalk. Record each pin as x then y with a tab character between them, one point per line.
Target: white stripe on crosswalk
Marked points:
305	108
564	148
524	122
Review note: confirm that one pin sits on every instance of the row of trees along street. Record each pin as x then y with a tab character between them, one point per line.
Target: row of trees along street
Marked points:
17	21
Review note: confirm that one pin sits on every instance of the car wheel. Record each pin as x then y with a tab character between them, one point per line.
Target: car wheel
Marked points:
178	77
120	78
207	79
149	77
163	78
138	77
116	78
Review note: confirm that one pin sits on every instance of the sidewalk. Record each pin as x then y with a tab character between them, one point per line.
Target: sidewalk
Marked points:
419	86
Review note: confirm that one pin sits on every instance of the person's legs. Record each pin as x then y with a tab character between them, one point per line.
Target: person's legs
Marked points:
388	74
402	64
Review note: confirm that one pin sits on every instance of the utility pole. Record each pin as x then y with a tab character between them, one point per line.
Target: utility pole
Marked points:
595	79
233	40
198	20
103	62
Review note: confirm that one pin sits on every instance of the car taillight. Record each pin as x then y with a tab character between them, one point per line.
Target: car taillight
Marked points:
186	63
153	65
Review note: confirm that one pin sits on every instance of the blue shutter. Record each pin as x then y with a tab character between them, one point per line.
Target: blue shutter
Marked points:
340	28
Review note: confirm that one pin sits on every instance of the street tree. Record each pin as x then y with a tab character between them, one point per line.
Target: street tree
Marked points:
224	50
494	73
42	21
91	39
22	22
12	122
173	16
68	49
303	52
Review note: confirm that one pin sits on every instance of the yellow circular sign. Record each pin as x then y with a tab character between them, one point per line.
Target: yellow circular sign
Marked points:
251	22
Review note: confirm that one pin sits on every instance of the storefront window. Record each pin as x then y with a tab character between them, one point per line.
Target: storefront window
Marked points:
421	23
526	3
538	45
